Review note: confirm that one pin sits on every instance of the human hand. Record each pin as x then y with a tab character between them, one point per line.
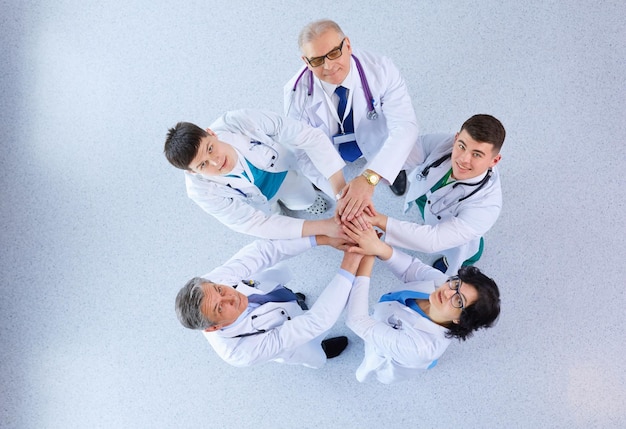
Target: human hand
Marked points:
342	244
361	221
356	198
333	230
368	241
379	220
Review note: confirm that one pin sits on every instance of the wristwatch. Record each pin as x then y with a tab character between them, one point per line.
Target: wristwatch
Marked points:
372	178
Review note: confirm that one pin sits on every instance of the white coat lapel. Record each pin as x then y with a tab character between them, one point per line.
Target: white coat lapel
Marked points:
359	104
318	113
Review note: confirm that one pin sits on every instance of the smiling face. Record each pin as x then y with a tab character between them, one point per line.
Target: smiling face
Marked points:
471	158
332	71
222	305
441	310
214	157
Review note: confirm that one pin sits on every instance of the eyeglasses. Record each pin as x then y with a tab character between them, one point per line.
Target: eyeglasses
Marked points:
454	283
332	55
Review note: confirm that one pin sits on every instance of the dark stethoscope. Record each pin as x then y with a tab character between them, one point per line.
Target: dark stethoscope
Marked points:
258	331
437	163
371	112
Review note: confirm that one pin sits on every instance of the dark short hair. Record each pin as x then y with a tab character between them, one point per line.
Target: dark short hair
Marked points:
486	129
481	314
181	144
188	302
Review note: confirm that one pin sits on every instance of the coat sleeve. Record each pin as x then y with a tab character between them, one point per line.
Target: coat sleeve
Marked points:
400	345
292	134
471	222
240	216
260	255
410	269
299	330
401	122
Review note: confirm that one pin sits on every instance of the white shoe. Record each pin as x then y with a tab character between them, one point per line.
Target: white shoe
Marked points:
318	207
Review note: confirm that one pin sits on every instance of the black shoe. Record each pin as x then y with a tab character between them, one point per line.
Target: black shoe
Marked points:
301	299
441	264
399	185
334	346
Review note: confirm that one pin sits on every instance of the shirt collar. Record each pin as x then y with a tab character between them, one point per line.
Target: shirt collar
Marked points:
242	316
348	82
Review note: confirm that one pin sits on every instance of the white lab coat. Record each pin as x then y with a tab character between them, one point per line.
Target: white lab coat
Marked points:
399	342
291	335
286	145
450	228
385	142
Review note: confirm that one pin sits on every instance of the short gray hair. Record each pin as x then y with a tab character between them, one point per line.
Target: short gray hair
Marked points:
188	302
314	29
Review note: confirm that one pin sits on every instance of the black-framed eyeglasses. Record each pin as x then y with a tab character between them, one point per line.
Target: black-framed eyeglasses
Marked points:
454	283
332	55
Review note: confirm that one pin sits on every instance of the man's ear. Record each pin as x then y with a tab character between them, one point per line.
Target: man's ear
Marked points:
456	321
348	45
496	160
213	328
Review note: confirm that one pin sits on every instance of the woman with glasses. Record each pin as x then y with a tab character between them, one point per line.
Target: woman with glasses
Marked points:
413	325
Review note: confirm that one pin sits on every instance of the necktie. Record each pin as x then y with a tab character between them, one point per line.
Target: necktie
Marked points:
279	294
349	151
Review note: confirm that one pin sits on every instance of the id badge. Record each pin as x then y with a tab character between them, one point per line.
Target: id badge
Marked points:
344	138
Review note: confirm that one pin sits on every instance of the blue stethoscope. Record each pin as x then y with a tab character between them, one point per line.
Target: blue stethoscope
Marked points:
371	112
437	163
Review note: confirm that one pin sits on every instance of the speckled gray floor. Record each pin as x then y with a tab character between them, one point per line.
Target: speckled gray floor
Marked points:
98	235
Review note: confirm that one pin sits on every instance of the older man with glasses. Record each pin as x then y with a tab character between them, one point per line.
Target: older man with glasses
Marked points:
360	100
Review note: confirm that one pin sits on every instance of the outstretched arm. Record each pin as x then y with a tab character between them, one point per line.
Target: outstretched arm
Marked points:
258	256
404	266
304	328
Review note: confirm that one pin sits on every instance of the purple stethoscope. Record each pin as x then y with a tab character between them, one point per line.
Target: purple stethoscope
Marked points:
371	113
